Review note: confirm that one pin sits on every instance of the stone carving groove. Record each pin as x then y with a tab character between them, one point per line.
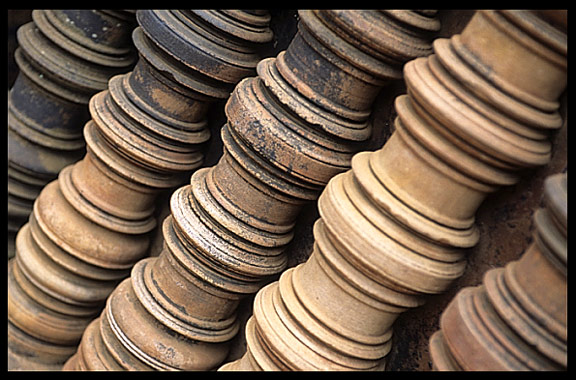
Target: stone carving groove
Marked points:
288	131
516	320
64	57
147	133
395	227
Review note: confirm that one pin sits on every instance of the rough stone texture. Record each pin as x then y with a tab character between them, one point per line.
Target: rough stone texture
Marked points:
504	219
382	119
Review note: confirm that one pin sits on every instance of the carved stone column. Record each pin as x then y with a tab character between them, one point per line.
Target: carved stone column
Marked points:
288	131
147	133
517	319
394	228
64	57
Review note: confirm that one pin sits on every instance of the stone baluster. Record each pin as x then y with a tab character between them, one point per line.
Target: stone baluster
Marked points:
394	228
64	57
516	320
288	131
147	133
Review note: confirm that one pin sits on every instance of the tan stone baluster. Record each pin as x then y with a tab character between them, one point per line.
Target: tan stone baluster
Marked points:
148	133
288	132
394	228
64	57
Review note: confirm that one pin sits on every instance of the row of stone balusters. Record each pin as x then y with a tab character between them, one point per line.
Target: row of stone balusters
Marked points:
64	57
288	131
516	320
148	132
394	228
